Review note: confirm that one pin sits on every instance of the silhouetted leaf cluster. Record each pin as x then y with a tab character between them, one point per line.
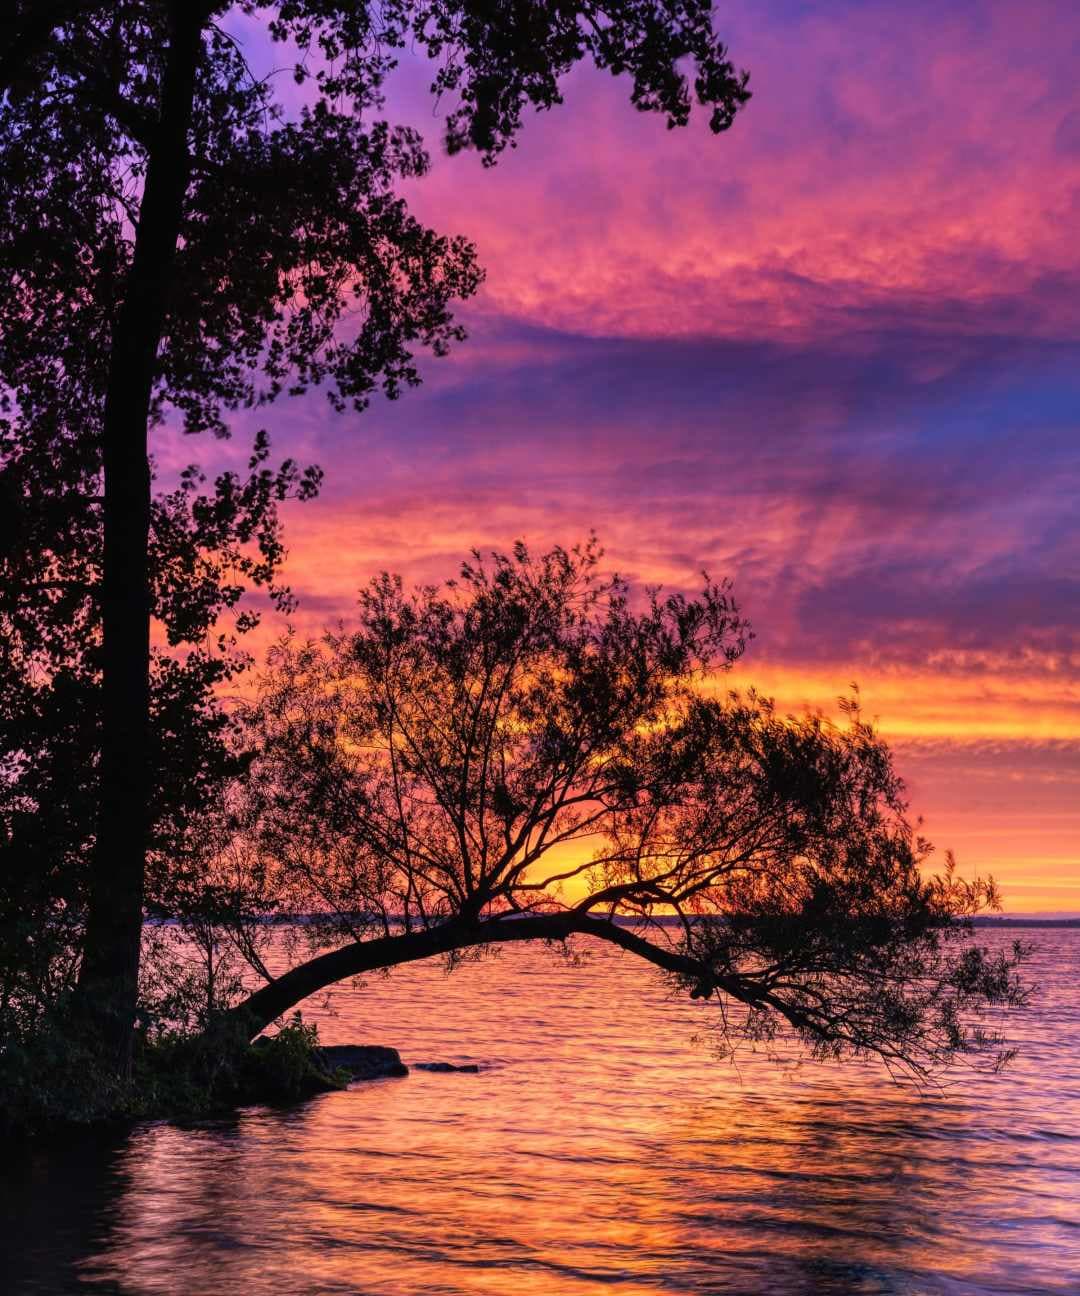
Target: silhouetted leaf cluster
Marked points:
531	749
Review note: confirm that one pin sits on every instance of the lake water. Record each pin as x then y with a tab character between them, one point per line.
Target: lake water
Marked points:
599	1149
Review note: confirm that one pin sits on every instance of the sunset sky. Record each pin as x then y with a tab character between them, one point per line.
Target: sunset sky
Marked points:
832	355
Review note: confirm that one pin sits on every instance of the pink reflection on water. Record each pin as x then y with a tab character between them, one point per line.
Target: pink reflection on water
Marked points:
600	1148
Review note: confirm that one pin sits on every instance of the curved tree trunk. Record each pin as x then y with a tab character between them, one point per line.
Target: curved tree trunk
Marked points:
108	979
256	1012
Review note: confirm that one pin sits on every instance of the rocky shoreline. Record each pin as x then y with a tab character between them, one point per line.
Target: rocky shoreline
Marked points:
362	1061
377	1062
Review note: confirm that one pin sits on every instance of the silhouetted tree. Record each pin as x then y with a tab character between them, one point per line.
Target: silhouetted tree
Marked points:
527	754
173	246
204	545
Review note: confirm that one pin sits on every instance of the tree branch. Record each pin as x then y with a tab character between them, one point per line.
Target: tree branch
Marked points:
272	1001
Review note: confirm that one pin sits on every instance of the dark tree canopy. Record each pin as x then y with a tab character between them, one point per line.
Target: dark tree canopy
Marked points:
531	753
175	248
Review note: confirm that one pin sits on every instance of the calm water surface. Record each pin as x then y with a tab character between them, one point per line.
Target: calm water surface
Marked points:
599	1149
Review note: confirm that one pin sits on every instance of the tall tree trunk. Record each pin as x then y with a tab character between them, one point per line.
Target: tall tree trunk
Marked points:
108	980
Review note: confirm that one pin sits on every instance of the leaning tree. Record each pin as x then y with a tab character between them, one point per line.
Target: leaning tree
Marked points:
530	754
175	246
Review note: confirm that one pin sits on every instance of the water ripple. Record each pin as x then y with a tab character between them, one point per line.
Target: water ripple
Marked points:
598	1149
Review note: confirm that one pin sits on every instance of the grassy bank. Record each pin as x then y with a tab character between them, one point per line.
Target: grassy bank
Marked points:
56	1081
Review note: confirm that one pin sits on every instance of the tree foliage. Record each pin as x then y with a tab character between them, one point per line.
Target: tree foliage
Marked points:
531	752
177	246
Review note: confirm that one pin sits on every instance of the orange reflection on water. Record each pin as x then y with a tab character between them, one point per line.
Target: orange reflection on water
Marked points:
598	1149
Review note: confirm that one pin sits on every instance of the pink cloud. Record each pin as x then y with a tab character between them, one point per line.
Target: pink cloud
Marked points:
910	167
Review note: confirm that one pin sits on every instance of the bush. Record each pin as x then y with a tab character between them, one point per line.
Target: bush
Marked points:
56	1080
286	1066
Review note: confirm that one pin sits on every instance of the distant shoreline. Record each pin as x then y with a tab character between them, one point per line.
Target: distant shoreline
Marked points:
284	920
1025	922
